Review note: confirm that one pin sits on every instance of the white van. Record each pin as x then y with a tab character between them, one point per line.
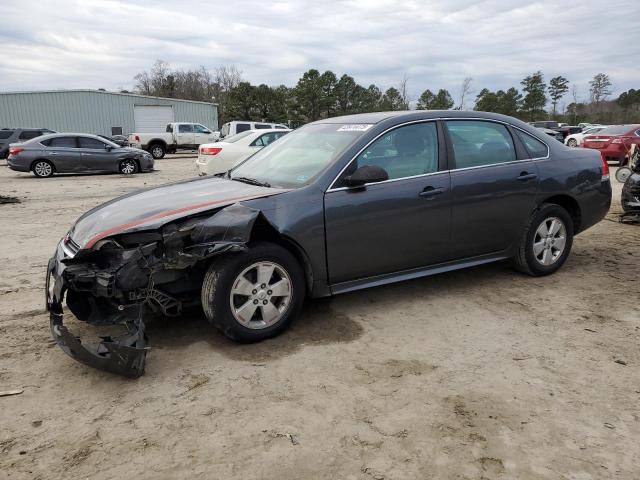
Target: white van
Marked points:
231	128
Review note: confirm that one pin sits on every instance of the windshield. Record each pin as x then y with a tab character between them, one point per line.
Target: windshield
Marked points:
299	157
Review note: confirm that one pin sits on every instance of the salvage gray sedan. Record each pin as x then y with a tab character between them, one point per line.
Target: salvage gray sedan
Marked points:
335	206
76	153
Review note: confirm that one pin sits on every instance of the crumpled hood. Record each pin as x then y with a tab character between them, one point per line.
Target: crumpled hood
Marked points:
150	208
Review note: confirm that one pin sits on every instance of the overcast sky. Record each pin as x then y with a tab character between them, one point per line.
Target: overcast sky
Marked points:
49	44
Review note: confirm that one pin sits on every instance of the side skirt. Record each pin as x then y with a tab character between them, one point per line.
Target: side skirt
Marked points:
403	275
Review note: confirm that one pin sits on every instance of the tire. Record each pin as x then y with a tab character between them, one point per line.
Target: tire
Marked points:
529	258
572	142
42	168
128	167
623	173
225	308
157	150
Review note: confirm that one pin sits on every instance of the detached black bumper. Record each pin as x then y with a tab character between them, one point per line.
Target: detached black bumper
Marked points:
125	355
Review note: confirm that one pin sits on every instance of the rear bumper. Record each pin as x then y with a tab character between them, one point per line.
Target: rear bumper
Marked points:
124	356
17	166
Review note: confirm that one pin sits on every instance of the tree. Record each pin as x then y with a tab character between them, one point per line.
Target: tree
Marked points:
465	90
403	90
242	101
309	93
328	81
443	100
510	102
426	100
600	87
558	86
392	100
535	100
263	96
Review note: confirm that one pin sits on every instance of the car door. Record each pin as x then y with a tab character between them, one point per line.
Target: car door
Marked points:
202	134
95	156
398	224
63	152
493	187
184	135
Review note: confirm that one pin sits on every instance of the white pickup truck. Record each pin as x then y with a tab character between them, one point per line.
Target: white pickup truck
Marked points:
178	135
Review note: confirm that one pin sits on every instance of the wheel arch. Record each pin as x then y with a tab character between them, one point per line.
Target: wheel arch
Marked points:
570	205
154	141
264	231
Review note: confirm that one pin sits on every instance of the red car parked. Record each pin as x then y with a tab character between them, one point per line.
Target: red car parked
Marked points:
614	142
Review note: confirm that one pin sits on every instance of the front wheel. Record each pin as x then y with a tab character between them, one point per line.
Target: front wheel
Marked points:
572	142
128	167
546	242
253	295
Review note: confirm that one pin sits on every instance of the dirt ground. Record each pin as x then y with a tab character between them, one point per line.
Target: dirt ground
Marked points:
476	374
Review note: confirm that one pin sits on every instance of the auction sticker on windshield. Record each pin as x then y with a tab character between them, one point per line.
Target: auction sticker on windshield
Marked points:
354	128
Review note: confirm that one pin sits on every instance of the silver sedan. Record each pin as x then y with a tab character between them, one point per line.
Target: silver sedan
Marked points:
76	153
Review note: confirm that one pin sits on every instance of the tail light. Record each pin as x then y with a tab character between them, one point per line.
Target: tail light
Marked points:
137	138
210	150
617	140
15	150
605	167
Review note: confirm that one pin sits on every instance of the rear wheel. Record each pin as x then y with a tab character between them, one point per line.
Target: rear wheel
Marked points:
253	295
157	150
572	142
546	242
623	173
128	167
42	168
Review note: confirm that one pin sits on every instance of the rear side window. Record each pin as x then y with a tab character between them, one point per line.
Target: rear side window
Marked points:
266	139
242	127
62	142
185	128
535	147
5	134
478	143
29	134
281	127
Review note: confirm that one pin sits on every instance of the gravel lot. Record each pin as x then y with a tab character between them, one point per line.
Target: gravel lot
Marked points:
482	373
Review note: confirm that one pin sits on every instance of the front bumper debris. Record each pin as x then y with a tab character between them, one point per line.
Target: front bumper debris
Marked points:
124	356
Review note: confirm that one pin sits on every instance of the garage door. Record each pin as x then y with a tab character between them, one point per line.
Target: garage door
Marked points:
152	118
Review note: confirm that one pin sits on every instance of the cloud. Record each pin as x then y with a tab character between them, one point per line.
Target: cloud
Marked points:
50	44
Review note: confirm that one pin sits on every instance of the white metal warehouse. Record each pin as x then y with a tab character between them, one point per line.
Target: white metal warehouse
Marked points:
100	112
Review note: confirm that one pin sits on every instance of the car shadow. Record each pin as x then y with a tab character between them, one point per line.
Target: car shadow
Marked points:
318	324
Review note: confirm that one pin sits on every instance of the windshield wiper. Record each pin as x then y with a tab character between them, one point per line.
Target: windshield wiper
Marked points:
251	181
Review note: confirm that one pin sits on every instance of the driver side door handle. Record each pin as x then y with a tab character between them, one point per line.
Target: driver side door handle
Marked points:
430	191
524	176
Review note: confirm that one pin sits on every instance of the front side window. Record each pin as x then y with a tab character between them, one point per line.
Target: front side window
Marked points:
185	128
242	127
535	147
300	156
63	142
169	128
262	126
200	129
479	143
5	133
92	143
403	152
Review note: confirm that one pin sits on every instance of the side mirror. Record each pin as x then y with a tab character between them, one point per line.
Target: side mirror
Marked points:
367	174
108	148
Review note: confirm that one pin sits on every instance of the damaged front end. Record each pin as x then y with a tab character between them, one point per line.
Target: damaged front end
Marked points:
120	276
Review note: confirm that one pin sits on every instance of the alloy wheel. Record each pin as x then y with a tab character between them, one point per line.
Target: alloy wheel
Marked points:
549	241
127	167
156	152
260	295
43	169
572	142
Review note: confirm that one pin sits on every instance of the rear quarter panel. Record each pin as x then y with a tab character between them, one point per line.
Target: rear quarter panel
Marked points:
576	173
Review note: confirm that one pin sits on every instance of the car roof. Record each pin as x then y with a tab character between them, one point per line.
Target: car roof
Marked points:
66	134
408	115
